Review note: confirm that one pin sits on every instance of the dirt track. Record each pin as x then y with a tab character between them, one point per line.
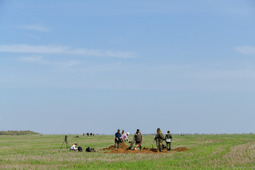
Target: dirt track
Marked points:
123	148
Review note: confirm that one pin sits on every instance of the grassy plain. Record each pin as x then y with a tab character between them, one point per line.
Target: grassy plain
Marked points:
206	152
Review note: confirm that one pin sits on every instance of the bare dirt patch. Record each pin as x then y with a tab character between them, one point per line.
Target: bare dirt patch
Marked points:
122	146
180	149
123	149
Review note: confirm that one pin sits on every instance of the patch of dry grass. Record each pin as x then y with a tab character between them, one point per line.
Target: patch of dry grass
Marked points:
241	154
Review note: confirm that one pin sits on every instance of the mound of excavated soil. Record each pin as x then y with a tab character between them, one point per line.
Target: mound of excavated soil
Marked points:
123	148
180	149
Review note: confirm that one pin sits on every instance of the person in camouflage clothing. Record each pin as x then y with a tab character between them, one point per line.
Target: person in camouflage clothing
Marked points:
138	140
168	139
159	139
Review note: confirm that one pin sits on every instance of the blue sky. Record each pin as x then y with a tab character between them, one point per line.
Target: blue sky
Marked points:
95	66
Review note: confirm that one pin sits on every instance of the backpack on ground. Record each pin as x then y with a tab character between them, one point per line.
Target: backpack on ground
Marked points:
90	149
80	149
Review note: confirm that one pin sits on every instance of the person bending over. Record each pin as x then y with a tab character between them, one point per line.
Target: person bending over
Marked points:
138	140
74	147
124	137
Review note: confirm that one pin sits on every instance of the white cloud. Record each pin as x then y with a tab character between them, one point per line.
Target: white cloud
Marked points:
70	63
32	59
246	50
34	28
42	60
32	36
43	49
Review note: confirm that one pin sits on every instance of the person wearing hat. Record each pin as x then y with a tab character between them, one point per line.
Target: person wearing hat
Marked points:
159	139
117	139
74	147
124	137
138	140
168	139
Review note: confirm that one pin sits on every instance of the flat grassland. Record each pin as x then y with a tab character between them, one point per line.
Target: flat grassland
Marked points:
206	152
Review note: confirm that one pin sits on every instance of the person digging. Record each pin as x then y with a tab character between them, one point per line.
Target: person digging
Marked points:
138	140
74	147
124	137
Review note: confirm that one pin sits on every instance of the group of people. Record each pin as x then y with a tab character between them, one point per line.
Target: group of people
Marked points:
160	138
138	139
120	137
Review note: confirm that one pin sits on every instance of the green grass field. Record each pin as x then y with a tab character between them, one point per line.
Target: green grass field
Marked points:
206	152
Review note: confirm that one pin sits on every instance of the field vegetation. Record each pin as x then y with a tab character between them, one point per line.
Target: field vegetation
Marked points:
206	152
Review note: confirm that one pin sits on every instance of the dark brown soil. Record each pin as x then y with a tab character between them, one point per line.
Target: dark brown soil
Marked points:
180	149
123	148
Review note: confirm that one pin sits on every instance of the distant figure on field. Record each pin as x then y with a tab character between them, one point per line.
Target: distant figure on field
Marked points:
138	140
124	137
66	142
159	139
168	139
122	132
87	134
90	134
117	139
74	147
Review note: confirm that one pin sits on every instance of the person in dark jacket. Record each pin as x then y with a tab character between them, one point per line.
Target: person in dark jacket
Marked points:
117	139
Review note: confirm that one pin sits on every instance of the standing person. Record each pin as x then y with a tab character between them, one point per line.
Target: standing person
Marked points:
138	140
117	139
122	132
159	139
168	139
124	137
